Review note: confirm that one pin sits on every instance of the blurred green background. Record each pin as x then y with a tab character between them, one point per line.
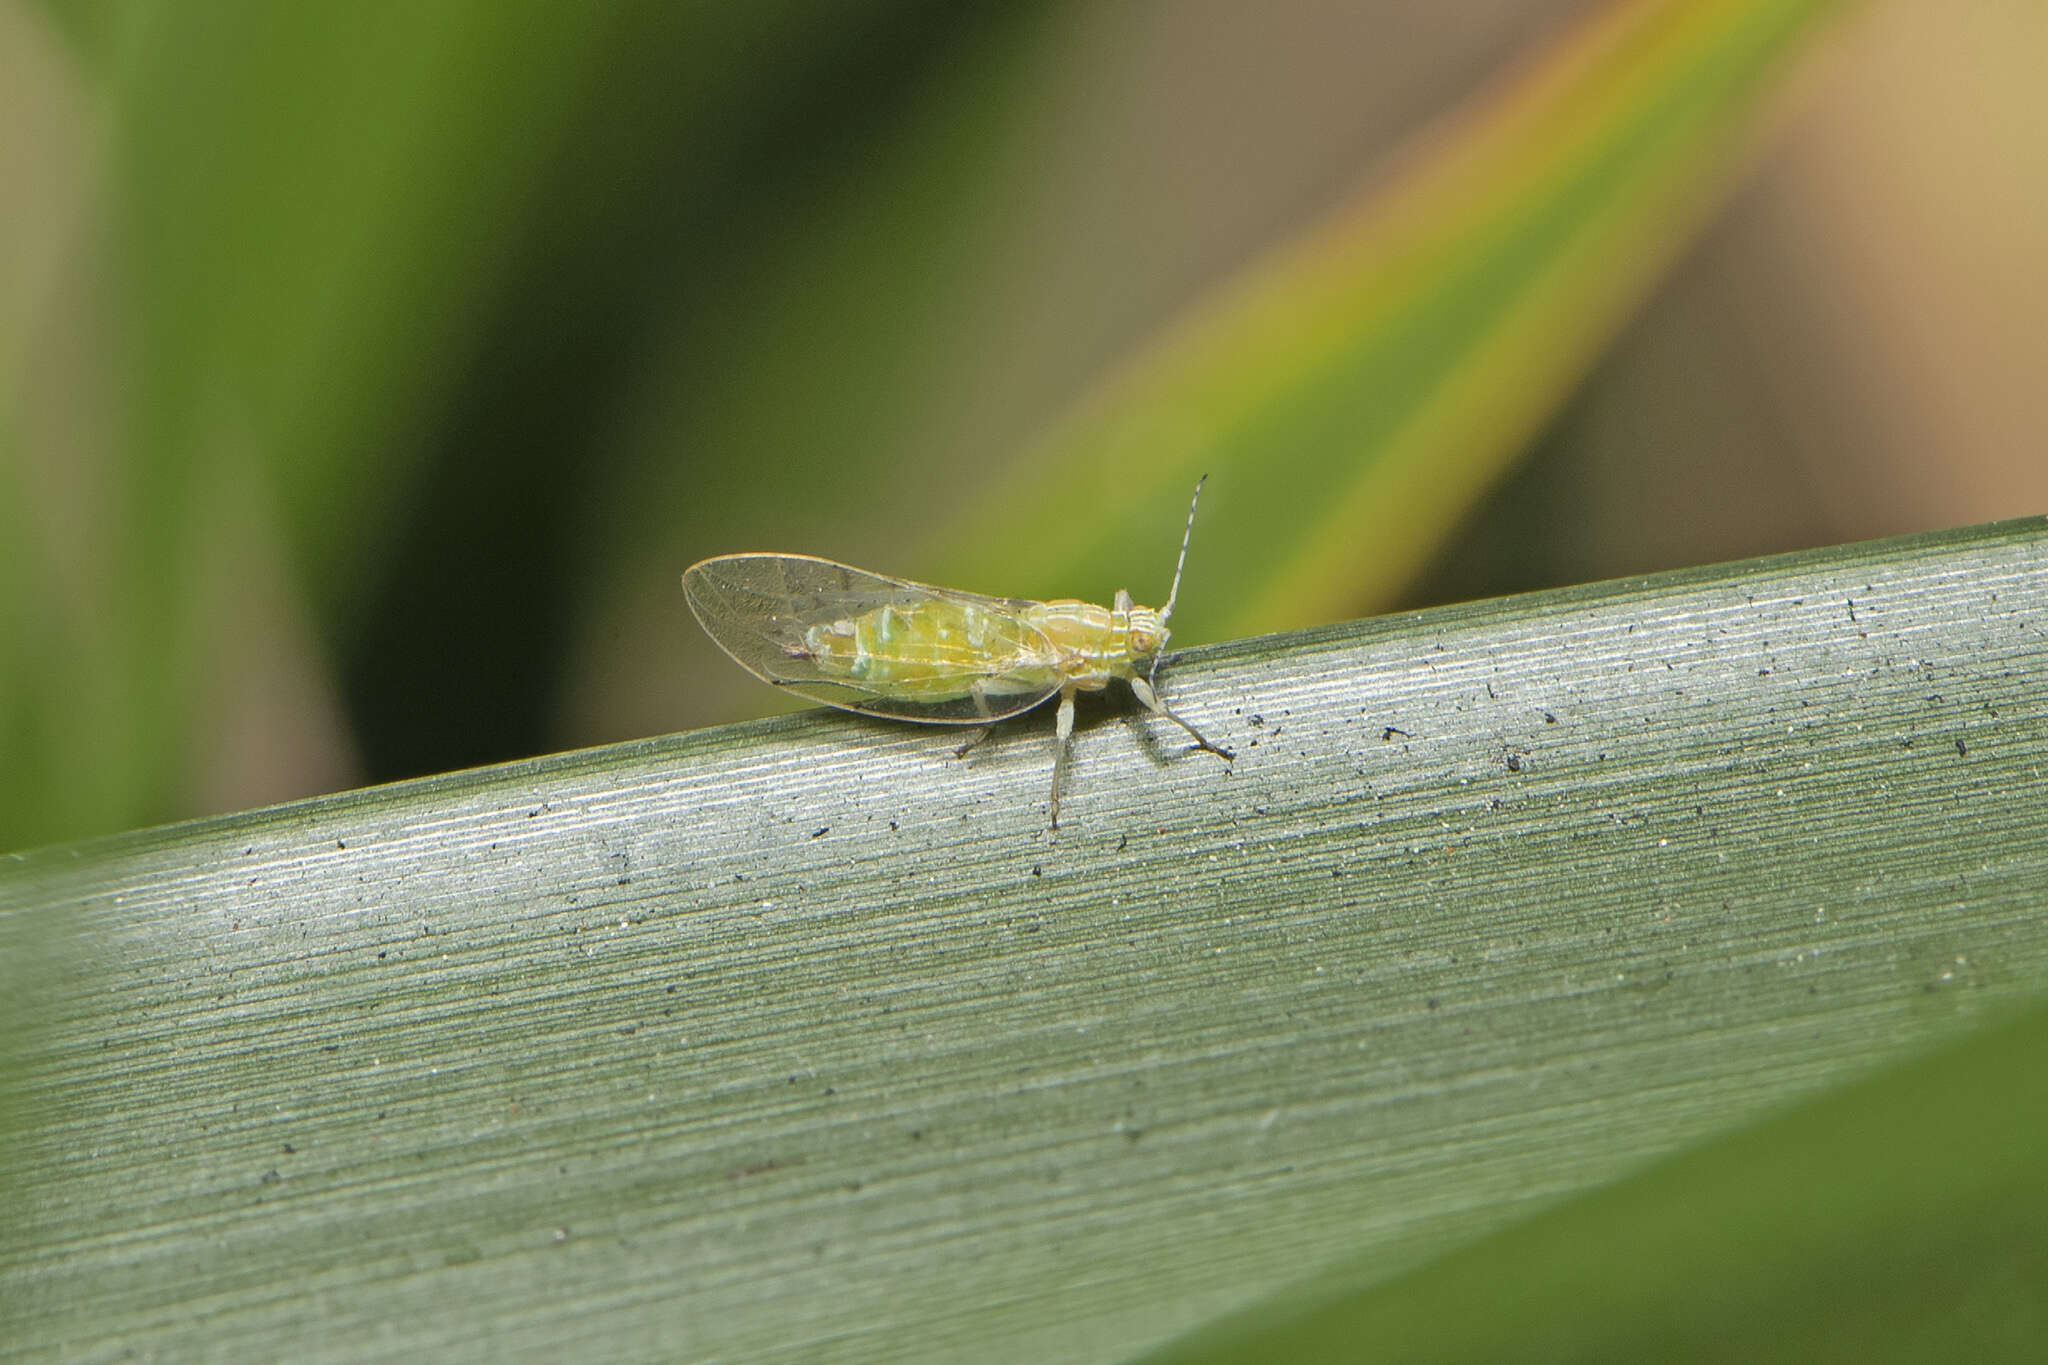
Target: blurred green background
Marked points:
368	374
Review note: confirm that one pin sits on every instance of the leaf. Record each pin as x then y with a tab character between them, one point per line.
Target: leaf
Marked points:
803	1038
1898	1220
1358	389
305	234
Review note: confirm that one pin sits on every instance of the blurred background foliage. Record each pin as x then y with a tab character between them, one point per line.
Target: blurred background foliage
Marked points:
368	374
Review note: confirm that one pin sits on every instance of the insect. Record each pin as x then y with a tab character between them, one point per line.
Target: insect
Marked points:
886	646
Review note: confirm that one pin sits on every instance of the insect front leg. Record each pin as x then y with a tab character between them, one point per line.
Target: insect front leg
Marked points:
1063	730
1146	693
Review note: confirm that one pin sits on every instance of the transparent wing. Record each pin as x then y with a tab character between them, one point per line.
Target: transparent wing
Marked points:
763	610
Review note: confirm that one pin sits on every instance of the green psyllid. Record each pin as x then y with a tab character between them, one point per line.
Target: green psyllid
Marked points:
885	646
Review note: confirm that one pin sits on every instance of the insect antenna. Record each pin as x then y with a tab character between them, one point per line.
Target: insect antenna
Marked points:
1173	593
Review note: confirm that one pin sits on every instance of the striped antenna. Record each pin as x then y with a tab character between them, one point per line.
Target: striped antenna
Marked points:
1172	593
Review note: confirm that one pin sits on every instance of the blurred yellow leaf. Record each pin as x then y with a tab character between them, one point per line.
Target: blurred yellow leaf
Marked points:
1356	391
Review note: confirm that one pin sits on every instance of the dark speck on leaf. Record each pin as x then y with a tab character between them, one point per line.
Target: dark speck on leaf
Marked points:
1962	748
1514	763
821	831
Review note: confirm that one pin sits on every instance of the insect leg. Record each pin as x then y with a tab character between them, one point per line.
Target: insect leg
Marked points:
1063	729
980	695
1146	693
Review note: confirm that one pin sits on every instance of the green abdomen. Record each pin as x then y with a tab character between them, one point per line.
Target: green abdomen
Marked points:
935	650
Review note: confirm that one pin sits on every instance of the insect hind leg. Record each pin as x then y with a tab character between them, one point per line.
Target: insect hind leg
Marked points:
1149	695
979	692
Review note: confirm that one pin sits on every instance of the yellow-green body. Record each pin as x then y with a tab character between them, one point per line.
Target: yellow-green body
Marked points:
942	649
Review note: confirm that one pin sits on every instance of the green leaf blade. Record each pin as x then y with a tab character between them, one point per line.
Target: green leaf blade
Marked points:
803	1036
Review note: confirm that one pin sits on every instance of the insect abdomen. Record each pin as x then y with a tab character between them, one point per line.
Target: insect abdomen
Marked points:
935	650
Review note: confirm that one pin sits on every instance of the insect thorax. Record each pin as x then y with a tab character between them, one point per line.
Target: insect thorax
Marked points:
1098	643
